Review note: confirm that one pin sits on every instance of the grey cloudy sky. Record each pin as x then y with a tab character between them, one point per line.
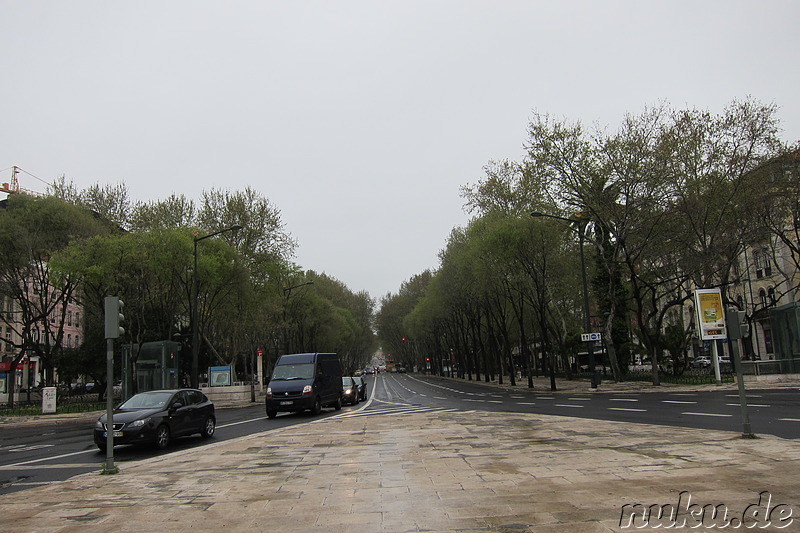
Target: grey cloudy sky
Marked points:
361	119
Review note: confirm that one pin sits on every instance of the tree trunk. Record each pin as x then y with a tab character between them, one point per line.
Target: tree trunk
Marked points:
610	349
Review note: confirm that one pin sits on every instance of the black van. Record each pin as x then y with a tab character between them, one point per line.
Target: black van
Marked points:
305	381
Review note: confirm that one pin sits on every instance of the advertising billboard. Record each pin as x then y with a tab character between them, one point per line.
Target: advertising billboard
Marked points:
710	314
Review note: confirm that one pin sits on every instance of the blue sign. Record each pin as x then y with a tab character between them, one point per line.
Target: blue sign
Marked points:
219	376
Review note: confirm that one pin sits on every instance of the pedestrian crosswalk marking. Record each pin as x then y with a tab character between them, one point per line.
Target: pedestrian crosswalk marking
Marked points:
393	408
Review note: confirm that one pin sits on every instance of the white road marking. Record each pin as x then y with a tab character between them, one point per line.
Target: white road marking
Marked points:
706	414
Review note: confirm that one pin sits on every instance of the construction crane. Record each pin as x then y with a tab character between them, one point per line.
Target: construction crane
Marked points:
13	188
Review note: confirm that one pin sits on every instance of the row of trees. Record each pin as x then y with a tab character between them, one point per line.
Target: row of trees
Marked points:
89	244
664	205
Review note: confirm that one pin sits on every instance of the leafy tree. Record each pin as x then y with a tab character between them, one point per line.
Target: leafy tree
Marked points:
176	211
31	231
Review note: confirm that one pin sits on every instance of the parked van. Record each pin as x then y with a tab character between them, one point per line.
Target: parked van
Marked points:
305	381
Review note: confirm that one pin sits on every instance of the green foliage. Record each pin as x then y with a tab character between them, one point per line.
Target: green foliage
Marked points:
664	204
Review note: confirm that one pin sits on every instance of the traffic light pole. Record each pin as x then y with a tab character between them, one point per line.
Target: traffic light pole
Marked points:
113	330
736	332
109	467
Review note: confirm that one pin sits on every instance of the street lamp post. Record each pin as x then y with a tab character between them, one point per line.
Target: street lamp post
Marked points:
288	292
195	313
586	317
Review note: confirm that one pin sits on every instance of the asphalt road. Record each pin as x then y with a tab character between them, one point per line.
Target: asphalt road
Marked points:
771	411
32	455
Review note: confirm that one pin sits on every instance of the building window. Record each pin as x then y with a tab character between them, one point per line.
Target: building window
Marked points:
771	296
768	340
77	319
762	297
69	318
763	264
69	340
77	341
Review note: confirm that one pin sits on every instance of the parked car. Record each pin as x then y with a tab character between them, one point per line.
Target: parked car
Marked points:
349	391
157	417
701	362
361	384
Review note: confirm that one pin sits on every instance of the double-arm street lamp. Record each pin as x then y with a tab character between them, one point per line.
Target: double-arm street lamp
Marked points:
195	313
287	291
581	229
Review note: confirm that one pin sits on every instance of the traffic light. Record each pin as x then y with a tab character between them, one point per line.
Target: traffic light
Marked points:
114	317
738	328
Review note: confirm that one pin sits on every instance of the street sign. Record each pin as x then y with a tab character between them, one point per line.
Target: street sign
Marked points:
591	337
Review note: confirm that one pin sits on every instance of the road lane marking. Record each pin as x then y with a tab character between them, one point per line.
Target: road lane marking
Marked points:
706	414
43	459
525	403
56	467
627	409
677	401
25	447
624	399
568	405
789	419
748	405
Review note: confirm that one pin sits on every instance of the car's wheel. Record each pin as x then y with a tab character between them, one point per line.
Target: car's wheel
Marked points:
271	414
162	436
102	446
208	427
338	404
317	409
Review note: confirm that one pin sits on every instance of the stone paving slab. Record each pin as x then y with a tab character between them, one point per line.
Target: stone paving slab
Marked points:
447	471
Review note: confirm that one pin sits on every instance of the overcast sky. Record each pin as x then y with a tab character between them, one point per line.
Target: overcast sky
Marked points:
359	120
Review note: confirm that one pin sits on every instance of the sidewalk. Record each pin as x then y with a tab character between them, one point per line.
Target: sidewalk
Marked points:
428	471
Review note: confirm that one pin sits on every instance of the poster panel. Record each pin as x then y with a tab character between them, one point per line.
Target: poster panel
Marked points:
710	314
